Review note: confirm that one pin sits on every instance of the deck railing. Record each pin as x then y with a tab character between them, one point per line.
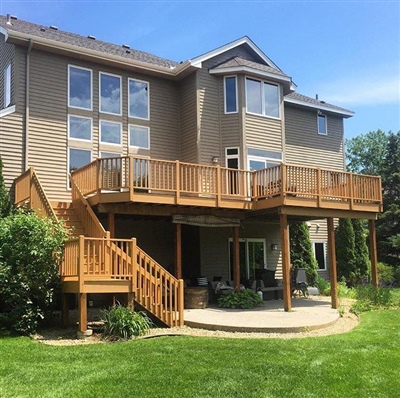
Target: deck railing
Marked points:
29	192
155	289
142	175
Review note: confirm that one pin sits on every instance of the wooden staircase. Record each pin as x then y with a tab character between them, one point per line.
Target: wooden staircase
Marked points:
95	263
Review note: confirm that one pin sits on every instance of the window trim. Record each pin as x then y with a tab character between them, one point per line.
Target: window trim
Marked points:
313	242
263	98
120	94
326	123
7	85
80	139
236	92
129	136
129	99
68	161
101	142
69	87
237	156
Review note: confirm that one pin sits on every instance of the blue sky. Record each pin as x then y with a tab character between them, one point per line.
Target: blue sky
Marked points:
346	51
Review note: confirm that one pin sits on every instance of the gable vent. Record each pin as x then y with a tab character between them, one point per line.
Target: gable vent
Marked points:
92	37
126	46
53	27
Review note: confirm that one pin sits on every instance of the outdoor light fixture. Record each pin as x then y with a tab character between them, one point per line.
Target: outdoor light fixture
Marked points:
215	159
274	247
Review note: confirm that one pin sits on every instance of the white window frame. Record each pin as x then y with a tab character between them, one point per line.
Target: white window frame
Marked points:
100	133
129	136
7	86
236	91
326	124
91	87
237	156
313	242
148	99
68	161
80	139
115	154
247	240
263	98
120	93
264	159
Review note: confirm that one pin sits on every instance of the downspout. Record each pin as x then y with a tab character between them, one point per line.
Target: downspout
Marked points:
27	104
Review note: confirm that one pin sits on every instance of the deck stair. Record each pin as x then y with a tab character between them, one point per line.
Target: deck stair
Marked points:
66	212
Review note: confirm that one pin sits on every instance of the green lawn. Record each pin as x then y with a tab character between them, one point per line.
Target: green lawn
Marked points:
362	363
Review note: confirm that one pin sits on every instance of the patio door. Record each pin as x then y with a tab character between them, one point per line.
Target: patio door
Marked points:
252	255
232	163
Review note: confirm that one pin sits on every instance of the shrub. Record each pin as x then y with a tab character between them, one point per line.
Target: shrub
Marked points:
344	291
31	250
370	298
323	286
5	202
386	273
124	323
243	299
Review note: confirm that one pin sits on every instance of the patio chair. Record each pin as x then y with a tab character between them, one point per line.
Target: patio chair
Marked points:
299	282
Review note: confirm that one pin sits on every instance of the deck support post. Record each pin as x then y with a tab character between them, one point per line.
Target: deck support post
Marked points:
373	252
131	300
64	310
178	251
287	293
111	224
236	259
332	266
82	309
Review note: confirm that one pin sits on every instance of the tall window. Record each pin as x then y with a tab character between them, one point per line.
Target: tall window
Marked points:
139	136
7	86
259	159
79	87
262	98
230	90
319	253
322	129
138	99
80	128
77	158
110	94
110	132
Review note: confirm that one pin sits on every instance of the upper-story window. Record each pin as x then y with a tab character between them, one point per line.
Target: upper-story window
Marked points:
110	93
230	91
7	86
322	127
259	159
138	100
79	87
80	128
262	98
139	136
110	132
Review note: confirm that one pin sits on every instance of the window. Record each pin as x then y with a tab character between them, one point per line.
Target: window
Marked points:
252	257
138	99
79	88
7	86
262	98
109	155
139	136
110	132
259	159
110	94
80	128
319	253
322	125
230	94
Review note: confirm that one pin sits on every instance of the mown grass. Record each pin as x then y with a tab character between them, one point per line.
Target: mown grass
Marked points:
364	362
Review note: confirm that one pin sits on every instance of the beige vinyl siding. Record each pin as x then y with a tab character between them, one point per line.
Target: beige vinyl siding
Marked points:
263	132
48	142
215	248
304	146
12	126
188	119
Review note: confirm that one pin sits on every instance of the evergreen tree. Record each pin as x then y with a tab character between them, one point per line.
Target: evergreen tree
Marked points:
345	251
362	262
5	202
301	253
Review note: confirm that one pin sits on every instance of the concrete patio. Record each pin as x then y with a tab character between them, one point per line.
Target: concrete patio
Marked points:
307	314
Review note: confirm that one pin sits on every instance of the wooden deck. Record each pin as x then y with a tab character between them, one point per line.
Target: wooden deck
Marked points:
136	180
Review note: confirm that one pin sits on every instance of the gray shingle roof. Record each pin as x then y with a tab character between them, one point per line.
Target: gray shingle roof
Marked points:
239	61
315	102
46	32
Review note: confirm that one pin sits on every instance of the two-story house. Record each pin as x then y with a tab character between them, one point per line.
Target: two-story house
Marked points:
203	162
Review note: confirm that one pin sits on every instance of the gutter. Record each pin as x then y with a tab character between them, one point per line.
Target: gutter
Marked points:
27	104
